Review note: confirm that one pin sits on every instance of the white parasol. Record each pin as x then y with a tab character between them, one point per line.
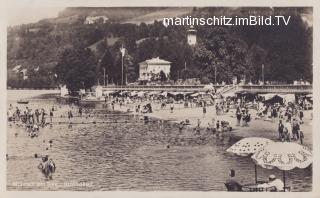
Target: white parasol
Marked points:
283	155
249	146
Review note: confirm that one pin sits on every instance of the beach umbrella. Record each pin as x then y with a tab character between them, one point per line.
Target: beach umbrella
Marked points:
283	155
249	146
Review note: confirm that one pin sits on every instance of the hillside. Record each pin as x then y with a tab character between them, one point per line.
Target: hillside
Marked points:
40	45
116	14
159	15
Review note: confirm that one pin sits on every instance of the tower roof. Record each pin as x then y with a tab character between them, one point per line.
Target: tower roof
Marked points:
191	29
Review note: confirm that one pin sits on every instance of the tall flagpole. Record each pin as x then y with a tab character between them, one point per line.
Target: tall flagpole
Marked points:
122	55
104	76
122	71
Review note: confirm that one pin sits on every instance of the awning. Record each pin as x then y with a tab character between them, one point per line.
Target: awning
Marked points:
288	98
309	96
124	93
230	94
134	93
267	96
153	93
107	92
274	99
164	94
195	95
141	93
176	93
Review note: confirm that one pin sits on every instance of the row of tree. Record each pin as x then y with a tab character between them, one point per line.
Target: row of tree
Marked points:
221	53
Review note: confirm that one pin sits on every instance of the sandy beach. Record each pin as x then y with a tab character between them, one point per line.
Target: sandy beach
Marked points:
257	127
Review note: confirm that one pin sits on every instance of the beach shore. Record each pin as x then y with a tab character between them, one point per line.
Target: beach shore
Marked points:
257	127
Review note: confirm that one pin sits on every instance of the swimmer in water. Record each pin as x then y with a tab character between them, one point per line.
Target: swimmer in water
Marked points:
181	126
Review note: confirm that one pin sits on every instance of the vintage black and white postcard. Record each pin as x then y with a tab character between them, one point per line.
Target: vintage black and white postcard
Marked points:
164	99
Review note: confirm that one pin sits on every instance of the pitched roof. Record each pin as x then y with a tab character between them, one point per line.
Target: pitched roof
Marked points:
156	60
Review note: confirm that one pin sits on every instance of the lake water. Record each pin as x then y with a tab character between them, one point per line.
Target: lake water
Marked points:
125	153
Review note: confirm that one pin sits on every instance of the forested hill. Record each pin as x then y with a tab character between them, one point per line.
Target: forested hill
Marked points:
235	51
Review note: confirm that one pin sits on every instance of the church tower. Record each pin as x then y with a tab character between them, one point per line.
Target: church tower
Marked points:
192	36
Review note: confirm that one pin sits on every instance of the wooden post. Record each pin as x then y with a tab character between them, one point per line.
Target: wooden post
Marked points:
255	173
284	180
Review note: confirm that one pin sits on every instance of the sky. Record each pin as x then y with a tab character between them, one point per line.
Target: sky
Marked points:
28	13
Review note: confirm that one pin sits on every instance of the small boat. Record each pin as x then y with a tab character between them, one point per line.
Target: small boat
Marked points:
22	102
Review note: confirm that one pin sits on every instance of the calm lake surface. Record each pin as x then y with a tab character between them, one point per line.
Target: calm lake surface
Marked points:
125	153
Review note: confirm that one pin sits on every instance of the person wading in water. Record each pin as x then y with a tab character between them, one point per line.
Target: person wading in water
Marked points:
47	167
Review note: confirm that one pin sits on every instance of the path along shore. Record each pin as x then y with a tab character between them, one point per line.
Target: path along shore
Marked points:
257	127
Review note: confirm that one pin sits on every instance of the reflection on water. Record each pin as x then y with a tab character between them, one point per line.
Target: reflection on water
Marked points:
128	154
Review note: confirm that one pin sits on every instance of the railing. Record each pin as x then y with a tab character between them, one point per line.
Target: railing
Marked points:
277	88
157	87
248	88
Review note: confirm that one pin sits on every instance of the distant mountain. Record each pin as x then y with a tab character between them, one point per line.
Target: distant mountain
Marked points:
117	14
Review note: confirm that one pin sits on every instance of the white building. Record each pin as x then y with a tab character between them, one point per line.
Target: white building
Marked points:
192	36
154	66
64	91
95	19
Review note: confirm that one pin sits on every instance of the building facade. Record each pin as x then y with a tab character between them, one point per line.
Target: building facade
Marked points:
151	68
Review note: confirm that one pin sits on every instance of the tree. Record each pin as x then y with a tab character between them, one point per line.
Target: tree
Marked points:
162	76
223	51
106	63
77	69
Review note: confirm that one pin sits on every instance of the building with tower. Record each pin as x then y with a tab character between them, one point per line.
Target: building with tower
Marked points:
192	36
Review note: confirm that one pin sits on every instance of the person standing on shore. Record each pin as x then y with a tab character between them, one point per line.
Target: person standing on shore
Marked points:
51	116
198	123
244	120
213	125
112	104
80	112
37	114
301	115
171	108
295	129
238	115
204	111
43	119
288	130
281	131
218	126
